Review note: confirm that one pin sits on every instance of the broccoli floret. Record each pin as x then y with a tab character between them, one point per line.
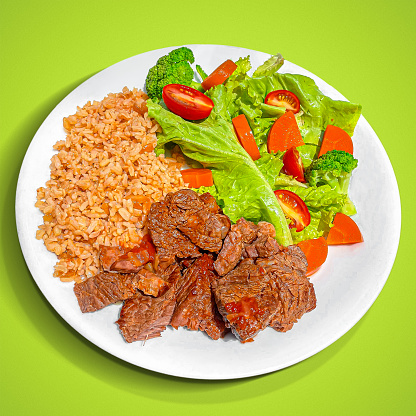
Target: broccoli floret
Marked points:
182	54
334	168
173	68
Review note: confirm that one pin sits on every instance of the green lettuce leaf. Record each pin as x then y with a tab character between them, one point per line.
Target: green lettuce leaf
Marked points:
270	66
281	181
323	203
317	109
211	190
240	184
270	165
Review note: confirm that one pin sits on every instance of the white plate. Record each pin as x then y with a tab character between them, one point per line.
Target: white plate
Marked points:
346	286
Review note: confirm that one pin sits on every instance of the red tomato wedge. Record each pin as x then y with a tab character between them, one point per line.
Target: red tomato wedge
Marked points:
292	164
245	136
197	177
187	102
219	75
294	208
138	256
283	98
284	134
316	252
335	139
344	231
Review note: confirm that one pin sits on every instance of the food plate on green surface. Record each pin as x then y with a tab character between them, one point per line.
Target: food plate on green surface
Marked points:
346	285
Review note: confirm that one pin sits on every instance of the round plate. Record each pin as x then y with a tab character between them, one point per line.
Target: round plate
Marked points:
346	286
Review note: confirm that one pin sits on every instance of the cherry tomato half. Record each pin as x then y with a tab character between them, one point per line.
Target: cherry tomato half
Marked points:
283	98
187	102
292	164
294	208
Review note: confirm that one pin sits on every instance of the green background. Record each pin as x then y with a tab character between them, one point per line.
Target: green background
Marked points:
365	49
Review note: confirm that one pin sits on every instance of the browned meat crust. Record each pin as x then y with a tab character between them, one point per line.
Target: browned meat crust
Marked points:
272	291
195	307
144	317
185	223
105	288
150	284
293	289
109	255
244	299
206	230
231	252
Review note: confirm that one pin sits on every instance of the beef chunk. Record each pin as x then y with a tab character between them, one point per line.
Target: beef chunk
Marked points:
248	230
150	284
231	251
183	224
144	317
245	300
294	290
206	230
170	243
265	228
286	260
242	233
263	246
271	291
123	260
105	288
109	255
195	307
210	203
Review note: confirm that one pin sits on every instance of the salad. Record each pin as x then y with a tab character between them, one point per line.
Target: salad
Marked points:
268	146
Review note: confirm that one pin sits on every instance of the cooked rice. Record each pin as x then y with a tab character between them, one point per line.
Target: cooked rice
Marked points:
103	180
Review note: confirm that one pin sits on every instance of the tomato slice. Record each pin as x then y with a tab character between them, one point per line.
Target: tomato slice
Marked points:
316	252
292	164
197	177
284	134
187	102
245	136
138	256
294	208
219	75
335	139
283	98
344	231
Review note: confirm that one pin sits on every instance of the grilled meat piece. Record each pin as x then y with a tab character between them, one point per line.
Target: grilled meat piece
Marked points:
296	293
271	291
150	284
248	230
195	307
244	299
265	228
144	317
124	260
262	246
231	251
183	224
109	255
169	241
105	288
242	233
210	203
206	230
